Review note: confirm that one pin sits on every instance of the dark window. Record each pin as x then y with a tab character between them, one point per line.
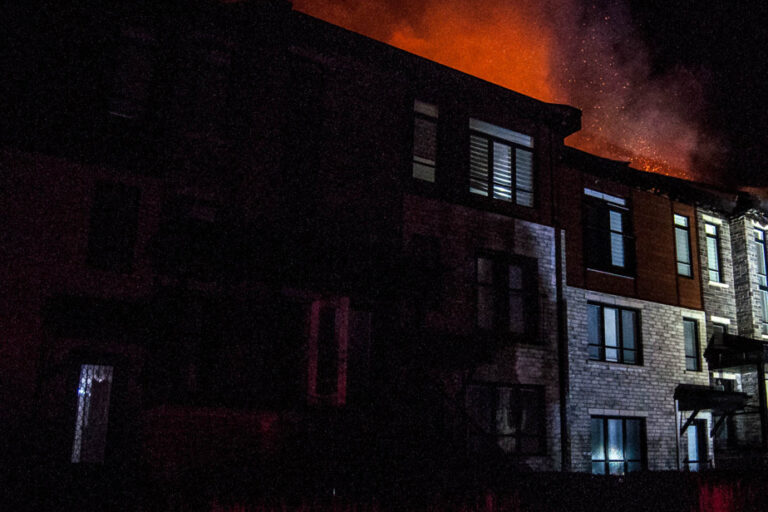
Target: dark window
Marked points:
507	294
203	89
504	417
713	252
613	334
762	279
618	445
683	245
500	163
691	336
114	221
424	141
93	392
327	352
608	241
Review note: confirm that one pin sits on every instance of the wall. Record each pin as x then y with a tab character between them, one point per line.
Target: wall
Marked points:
601	388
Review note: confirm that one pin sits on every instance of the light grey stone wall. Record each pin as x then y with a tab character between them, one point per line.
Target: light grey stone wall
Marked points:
745	254
612	389
719	298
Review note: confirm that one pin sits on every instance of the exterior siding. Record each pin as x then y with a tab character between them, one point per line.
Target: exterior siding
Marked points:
603	388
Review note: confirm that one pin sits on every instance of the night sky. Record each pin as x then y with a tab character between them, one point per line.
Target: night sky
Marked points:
675	87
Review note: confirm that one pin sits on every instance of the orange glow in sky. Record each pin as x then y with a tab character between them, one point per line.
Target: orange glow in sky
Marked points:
557	51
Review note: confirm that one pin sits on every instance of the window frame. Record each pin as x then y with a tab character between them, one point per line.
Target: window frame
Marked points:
759	235
492	438
599	234
492	135
502	292
82	411
715	237
692	361
643	448
683	229
620	348
428	112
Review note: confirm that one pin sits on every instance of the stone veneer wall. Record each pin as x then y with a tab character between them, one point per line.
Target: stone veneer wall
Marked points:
719	298
745	276
462	232
610	389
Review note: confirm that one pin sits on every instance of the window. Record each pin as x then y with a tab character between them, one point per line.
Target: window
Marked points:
507	294
698	445
509	418
691	336
93	392
683	245
613	334
500	163
424	141
114	222
762	279
133	76
328	343
608	241
713	252
618	445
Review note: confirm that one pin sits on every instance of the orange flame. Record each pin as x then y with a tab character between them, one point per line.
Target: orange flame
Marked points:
545	49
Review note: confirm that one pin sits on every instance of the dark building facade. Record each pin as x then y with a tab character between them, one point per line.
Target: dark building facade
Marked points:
240	237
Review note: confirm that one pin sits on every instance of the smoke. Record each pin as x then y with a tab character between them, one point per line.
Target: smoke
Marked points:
590	55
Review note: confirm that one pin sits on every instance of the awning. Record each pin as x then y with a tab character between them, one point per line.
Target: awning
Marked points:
730	350
693	397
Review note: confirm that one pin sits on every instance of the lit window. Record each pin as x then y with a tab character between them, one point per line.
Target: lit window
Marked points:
683	245
618	445
613	334
713	252
608	241
508	418
691	336
698	445
424	141
500	163
93	392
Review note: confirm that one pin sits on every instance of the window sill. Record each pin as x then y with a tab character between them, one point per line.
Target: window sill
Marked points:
617	366
718	284
609	273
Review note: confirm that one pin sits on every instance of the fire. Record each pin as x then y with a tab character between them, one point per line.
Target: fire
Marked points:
558	51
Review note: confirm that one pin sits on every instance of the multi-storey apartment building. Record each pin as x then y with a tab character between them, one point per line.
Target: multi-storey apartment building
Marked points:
247	238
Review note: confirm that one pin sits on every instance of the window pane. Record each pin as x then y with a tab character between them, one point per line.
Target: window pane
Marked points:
516	314
764	304
478	165
693	445
617	250
628	328
598	439
616	468
684	269
594	352
91	422
681	220
485	307
615	439
485	270
502	171
630	356
524	177
593	324
689	332
515	277
598	468
507	412
634	466
424	172
611	354
634	447
425	139
615	219
611	325
711	229
524	198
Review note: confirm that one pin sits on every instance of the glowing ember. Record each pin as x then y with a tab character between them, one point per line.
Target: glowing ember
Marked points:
558	51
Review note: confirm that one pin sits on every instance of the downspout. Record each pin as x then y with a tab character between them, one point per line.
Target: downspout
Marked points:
562	325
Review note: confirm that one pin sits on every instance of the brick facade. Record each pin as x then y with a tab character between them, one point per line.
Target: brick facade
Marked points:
599	388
